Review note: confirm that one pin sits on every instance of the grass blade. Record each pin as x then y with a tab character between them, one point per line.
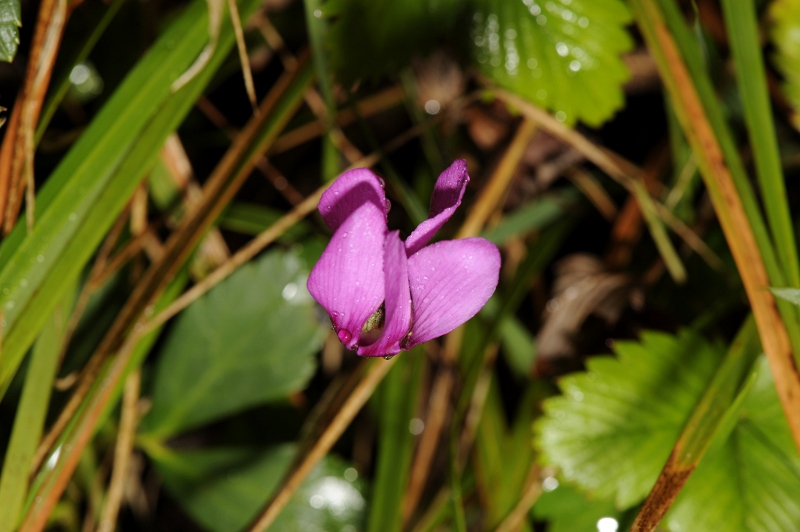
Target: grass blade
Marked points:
690	89
740	20
31	413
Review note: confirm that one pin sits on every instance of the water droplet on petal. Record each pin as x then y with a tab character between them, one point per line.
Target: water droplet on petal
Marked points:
382	182
388	357
345	336
388	206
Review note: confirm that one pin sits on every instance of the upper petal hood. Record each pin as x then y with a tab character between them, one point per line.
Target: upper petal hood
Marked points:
348	279
350	191
445	200
450	282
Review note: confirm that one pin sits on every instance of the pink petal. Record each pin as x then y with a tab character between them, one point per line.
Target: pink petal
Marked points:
348	279
445	200
398	300
450	282
350	191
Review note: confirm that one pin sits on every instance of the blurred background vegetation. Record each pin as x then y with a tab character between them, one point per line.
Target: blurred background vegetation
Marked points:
163	367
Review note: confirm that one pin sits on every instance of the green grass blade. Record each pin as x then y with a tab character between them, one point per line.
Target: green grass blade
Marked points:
61	85
397	404
317	28
31	413
740	20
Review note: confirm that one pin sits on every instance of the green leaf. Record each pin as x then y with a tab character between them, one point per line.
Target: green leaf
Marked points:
750	483
250	340
567	510
224	489
369	39
537	214
10	21
785	34
614	428
560	54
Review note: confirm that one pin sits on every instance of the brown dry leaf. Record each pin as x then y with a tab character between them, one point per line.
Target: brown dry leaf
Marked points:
582	287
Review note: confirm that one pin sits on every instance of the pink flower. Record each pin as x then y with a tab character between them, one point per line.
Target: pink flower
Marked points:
384	295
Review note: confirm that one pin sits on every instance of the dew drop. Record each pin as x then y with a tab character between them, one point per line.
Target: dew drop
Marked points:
388	357
388	206
382	182
345	336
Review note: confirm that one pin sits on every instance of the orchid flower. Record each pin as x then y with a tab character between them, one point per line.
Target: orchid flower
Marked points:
385	295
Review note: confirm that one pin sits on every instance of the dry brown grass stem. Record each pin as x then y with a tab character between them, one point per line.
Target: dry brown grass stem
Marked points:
495	189
16	154
590	188
617	167
247	72
438	412
351	407
533	490
122	453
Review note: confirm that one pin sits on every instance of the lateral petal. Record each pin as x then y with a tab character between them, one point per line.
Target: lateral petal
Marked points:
445	200
450	282
350	191
398	300
348	279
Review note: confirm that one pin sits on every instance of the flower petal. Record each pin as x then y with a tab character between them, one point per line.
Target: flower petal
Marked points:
450	282
348	279
445	200
398	300
350	191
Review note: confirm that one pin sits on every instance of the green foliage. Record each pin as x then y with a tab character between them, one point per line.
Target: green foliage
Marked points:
250	340
792	295
87	191
10	21
224	488
567	510
615	426
396	403
563	55
369	39
750	478
785	34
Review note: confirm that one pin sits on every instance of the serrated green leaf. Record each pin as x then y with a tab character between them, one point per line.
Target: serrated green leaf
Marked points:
223	489
10	21
250	340
614	427
369	39
560	54
751	482
785	34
